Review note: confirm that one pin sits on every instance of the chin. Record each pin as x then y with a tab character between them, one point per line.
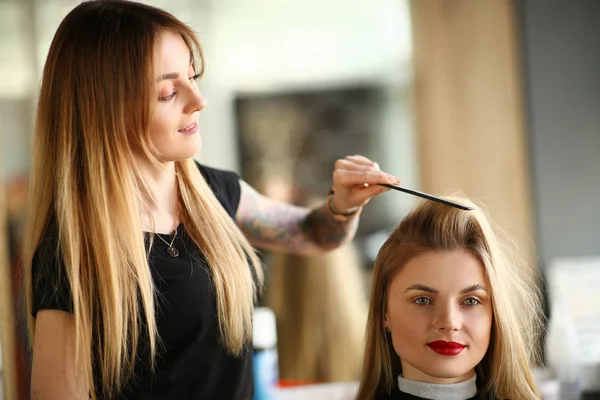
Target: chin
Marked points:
191	152
181	155
187	150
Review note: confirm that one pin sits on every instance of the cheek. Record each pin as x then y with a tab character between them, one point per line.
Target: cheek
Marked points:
161	127
479	325
408	326
159	124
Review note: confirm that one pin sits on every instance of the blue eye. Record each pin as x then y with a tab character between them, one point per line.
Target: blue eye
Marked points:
471	302
422	301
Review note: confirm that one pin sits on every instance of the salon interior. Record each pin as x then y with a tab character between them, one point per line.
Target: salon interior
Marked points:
498	99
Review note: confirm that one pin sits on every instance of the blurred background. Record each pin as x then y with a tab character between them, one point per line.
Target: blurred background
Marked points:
499	99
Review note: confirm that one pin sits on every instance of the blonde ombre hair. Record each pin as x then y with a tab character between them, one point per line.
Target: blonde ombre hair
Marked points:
321	308
505	371
94	110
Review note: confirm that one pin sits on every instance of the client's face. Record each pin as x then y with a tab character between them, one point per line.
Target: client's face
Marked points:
439	313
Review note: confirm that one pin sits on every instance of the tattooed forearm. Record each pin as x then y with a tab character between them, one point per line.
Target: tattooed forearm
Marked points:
278	226
327	232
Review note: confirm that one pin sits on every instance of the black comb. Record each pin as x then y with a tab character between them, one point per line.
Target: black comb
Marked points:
427	196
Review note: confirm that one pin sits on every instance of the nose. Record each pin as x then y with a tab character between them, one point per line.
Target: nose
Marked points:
195	102
447	318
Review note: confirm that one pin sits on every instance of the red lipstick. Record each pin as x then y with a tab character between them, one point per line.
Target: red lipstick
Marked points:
446	348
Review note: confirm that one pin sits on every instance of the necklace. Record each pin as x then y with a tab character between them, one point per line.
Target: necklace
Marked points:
173	252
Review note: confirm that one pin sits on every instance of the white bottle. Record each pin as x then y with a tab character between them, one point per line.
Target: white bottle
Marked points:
562	351
266	363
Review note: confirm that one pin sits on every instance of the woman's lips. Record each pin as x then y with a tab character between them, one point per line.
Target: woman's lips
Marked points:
190	129
446	348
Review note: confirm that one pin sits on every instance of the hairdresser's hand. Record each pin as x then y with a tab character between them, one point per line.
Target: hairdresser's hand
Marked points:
355	182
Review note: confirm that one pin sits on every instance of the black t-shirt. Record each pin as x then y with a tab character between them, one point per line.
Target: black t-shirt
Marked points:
191	362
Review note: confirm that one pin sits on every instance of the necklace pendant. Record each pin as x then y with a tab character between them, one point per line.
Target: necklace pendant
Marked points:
173	252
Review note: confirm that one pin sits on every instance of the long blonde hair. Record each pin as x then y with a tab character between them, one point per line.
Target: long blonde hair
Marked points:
93	113
321	308
505	371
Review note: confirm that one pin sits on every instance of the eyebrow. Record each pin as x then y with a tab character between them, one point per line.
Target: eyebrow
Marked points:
425	288
170	75
174	75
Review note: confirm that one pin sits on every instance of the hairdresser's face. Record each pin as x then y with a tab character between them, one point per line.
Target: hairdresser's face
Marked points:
178	102
436	298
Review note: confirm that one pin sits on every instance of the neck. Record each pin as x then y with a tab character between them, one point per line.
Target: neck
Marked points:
161	210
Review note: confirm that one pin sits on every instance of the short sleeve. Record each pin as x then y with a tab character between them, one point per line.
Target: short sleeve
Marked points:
49	281
225	185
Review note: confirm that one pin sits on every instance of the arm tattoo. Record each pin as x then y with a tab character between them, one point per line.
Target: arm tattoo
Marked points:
275	225
327	232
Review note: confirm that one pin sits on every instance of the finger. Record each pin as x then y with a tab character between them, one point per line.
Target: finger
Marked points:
372	190
346	164
368	166
361	160
362	177
362	197
351	178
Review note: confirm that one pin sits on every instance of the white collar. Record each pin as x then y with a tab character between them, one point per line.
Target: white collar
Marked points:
434	391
